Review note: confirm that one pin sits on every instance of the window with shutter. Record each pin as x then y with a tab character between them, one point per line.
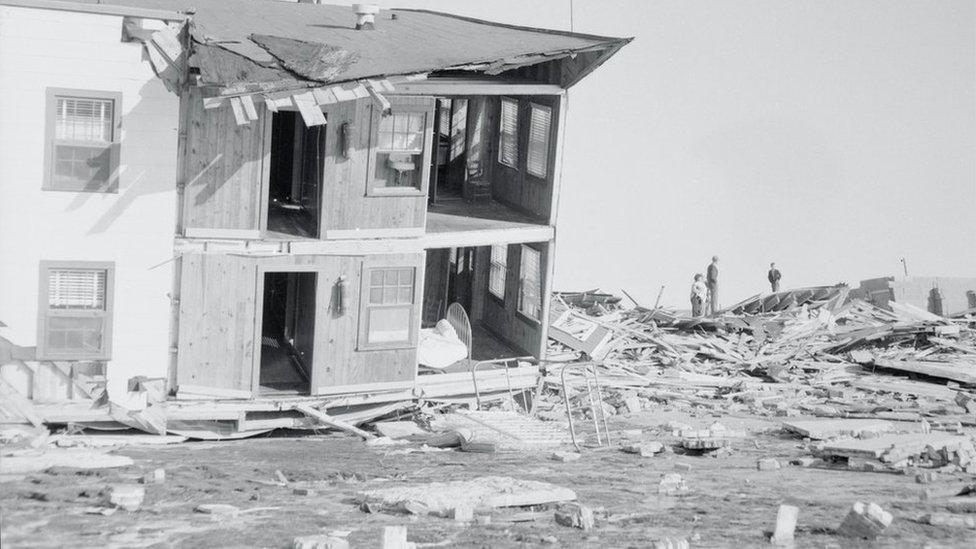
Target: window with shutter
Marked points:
388	307
75	314
508	133
83	140
498	271
537	157
530	283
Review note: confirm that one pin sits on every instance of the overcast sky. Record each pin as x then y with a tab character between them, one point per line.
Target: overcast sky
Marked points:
833	137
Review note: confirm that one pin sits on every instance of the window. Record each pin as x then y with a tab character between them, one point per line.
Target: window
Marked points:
83	141
530	284
75	310
498	271
537	158
387	318
400	142
508	133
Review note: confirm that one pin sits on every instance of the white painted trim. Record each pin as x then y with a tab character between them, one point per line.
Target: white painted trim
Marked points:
228	234
452	86
100	9
353	234
365	388
459	239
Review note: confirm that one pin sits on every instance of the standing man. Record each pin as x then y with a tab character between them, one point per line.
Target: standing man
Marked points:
711	280
699	295
774	276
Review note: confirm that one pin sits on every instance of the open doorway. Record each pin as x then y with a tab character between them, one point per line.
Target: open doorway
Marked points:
450	168
287	332
295	175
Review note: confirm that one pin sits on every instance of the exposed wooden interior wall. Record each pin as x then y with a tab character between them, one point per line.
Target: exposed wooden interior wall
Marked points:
218	300
220	321
515	187
225	167
503	318
345	204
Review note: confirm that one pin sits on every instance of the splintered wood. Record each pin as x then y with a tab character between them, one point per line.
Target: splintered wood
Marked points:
802	352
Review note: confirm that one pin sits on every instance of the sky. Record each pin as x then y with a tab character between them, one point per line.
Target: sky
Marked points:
833	137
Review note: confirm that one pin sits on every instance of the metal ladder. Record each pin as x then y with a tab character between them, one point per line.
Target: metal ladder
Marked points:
595	396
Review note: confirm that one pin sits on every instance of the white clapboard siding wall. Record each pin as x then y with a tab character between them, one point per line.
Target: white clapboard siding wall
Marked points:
134	228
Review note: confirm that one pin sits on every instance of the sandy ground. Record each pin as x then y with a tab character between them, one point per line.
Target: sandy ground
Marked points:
730	502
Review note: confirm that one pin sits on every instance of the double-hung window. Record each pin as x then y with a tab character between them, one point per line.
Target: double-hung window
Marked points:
387	313
508	133
530	283
498	270
82	141
537	155
75	312
400	144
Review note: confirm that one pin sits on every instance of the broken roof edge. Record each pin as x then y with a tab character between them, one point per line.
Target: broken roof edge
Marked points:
542	30
99	9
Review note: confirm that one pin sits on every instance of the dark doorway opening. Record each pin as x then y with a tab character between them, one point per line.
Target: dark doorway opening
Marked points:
287	332
450	139
295	178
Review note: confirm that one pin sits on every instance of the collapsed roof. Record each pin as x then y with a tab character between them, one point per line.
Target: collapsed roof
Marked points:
242	46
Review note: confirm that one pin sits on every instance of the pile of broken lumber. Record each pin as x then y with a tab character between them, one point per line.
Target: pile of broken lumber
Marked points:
823	355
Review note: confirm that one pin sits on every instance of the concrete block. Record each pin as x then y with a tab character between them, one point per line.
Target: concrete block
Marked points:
395	537
672	485
126	496
575	515
564	456
156	476
462	513
864	521
767	464
785	525
645	449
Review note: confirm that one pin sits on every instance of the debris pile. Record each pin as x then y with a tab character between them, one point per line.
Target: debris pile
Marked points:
801	352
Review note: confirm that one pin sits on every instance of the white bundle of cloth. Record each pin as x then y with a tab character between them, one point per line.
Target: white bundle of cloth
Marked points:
440	346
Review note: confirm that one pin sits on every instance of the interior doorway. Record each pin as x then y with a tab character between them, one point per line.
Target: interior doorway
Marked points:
295	175
287	332
449	172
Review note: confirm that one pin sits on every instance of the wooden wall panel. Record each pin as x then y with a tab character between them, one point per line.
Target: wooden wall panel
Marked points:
516	187
225	168
503	319
336	360
345	204
218	296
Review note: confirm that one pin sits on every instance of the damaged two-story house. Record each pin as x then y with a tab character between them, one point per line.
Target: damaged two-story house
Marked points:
253	197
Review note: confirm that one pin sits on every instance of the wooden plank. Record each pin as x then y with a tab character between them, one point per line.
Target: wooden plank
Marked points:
934	369
192	392
19	403
200	232
217	323
332	422
821	429
310	111
467	87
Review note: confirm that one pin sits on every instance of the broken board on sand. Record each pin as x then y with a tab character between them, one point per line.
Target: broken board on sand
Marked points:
890	448
821	429
482	492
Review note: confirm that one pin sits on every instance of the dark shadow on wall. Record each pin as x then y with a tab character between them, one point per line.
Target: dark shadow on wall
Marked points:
135	183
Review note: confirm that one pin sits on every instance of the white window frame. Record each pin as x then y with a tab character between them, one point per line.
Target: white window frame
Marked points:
112	146
526	252
504	138
378	187
498	266
366	306
535	146
45	311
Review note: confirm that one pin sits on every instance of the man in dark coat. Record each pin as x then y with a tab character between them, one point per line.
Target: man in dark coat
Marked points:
711	280
774	276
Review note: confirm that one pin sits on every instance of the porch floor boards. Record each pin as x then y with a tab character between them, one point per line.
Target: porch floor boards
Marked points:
456	215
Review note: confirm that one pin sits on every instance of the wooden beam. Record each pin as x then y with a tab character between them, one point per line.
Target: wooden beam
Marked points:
487	237
464	87
333	422
19	403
